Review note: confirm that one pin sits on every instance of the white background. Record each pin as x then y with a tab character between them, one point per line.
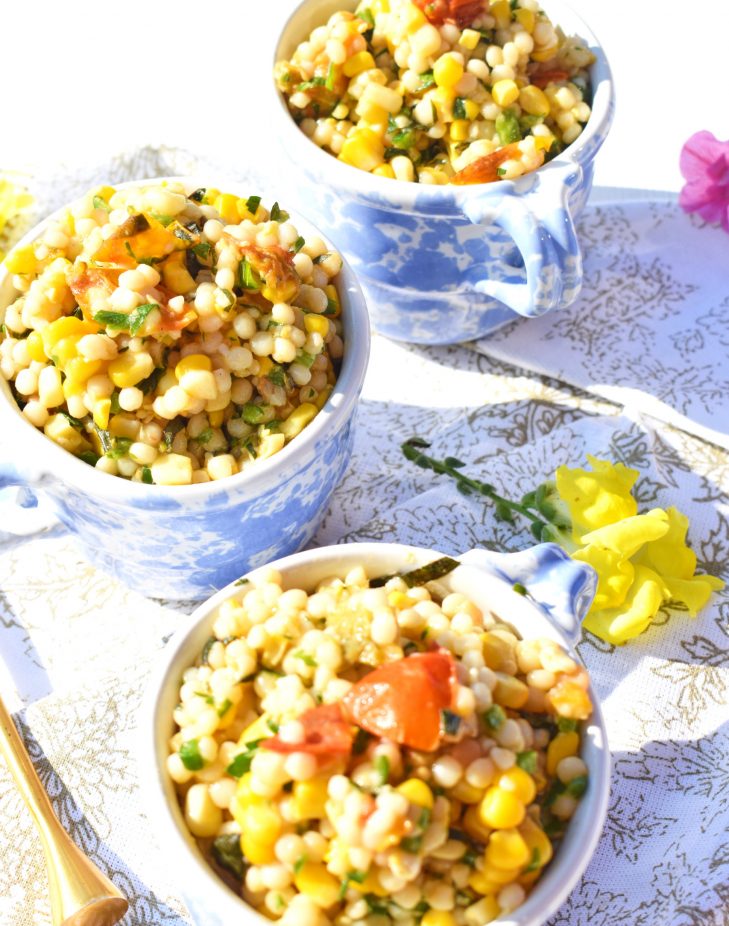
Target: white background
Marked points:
84	81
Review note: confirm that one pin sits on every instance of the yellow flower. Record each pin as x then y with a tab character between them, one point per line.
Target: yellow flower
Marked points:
599	497
642	560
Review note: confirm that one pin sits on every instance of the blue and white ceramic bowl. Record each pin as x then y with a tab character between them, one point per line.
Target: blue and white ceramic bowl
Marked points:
187	541
560	592
443	264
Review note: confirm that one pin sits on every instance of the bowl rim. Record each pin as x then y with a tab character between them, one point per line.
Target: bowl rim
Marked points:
583	833
331	417
401	193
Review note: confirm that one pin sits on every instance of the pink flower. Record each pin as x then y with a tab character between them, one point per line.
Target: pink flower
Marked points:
705	165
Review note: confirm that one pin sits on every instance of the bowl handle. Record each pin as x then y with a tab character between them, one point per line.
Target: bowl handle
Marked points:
563	587
540	223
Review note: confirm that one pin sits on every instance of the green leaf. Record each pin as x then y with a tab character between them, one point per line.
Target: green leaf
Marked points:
520	589
404	138
118	320
278	214
536	527
501	171
494	717
100	203
228	854
149	384
206	649
310	84
147	476
298	244
138	316
358	876
242	581
426	81
450	722
202	249
411	844
459	108
529	500
527	760
224	707
162	218
503	512
299	863
88	456
331	77
74	422
248	278
567	725
119	447
252	414
305	359
377	905
306	658
277	375
190	755
535	861
577	787
367	16
381	765
453	462
204	436
252	204
507	127
242	762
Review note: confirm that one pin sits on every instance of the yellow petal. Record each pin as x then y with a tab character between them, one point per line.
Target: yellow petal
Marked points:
616	625
599	497
629	535
614	575
694	592
669	555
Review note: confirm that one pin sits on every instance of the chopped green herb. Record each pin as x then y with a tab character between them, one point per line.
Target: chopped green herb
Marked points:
299	863
382	767
230	297
358	876
332	306
74	422
252	204
162	218
577	787
278	214
252	414
247	276
411	843
435	570
202	249
190	755
204	436
242	581
405	138
298	244
527	760
138	316
566	725
424	818
119	320
147	475
507	127
534	863
100	203
494	717
88	456
367	16
305	359
361	740
519	588
198	196
271	724
306	658
119	447
459	108
206	649
310	84
501	171
450	722
277	375
172	429
426	81
469	857
331	77
376	905
149	384
104	437
224	707
228	854
242	762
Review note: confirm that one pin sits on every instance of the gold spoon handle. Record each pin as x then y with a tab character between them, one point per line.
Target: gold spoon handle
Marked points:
80	894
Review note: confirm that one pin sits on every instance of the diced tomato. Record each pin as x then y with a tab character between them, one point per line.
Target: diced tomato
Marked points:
403	700
91	284
486	168
541	79
462	12
327	733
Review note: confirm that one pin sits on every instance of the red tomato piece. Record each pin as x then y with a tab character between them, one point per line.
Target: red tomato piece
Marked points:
327	733
462	12
403	700
555	76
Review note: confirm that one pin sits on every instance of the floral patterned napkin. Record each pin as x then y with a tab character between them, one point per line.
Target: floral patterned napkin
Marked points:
651	328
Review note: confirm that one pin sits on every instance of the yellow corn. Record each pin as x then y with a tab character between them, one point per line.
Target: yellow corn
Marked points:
413	18
125	426
175	275
563	745
130	368
79	370
298	420
474	825
72	388
216	418
245	213
507	850
469	39
262	823
447	71
21	260
68	326
318	884
310	799
316	324
509	691
370	885
499	875
102	408
443	99
496	651
459	129
265	365
227	205
438	918
527	19
483	884
193	362
60	430
363	148
399	600
259	729
211	194
258	853
35	347
533	100
543	142
334	309
466	793
537	842
501	809
501	12
520	783
505	92
321	399
373	114
417	792
384	170
105	193
362	61
484	910
379	6
471	109
544	54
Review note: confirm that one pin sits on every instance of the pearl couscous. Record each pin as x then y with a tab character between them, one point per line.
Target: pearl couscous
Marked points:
440	92
172	338
377	752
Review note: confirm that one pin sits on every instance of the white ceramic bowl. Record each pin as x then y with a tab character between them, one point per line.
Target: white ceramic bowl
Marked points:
187	541
562	590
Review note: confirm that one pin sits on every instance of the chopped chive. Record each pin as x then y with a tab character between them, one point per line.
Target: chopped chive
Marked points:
299	863
138	316
118	320
450	722
147	476
494	717
252	204
298	244
251	414
577	787
527	760
278	214
382	767
190	755
100	203
566	725
202	249
247	276
228	853
306	658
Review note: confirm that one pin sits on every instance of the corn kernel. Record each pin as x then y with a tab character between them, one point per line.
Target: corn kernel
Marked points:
501	809
505	92
537	841
507	850
413	18
483	885
384	170
172	469
124	426
192	362
21	260
399	600
35	347
563	745
333	309
227	205
175	275
323	396
417	792
474	825
362	61
534	101
309	799
466	793
318	884
363	148
469	39
438	918
68	326
216	418
316	324
60	430
459	129
471	109
501	11
520	783
79	370
543	142
258	853
447	71
262	823
372	113
298	420
510	691
544	54
102	409
526	19
497	875
130	369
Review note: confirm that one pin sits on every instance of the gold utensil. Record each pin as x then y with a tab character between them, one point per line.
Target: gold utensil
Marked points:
80	894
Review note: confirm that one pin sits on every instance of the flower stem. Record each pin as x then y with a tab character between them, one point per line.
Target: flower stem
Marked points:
450	466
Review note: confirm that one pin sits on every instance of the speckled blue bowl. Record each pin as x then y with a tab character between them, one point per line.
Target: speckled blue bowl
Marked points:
560	592
187	541
443	264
